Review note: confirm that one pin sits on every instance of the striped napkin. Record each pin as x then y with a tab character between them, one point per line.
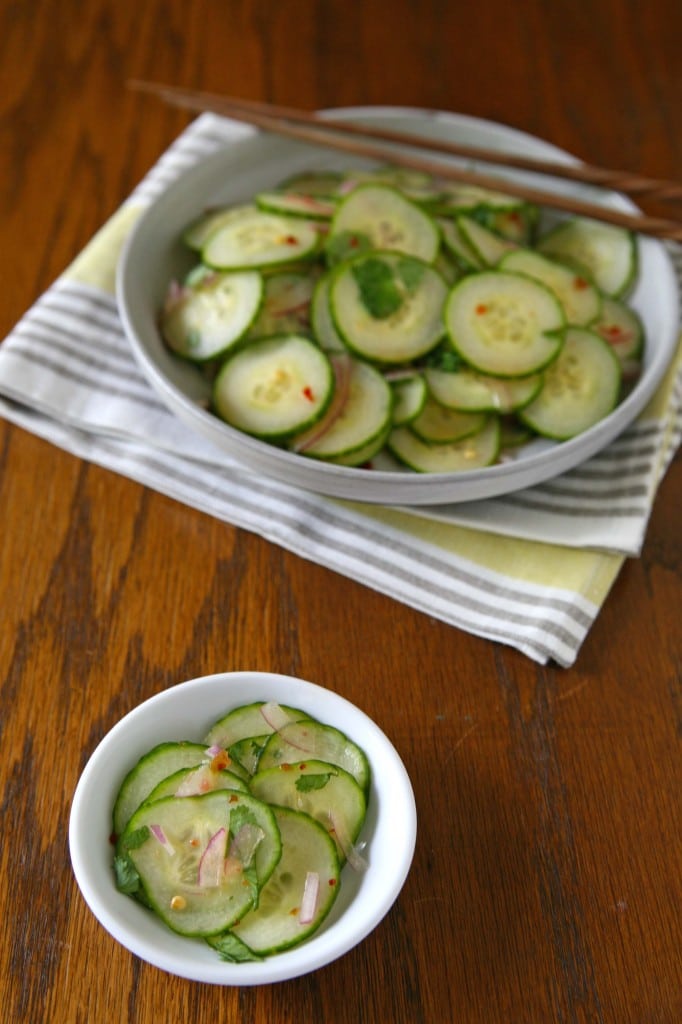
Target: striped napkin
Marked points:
530	570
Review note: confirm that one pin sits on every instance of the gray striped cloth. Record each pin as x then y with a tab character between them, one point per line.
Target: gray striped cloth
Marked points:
529	569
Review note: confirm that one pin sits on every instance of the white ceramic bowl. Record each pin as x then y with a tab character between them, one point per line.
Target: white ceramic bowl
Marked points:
186	711
154	255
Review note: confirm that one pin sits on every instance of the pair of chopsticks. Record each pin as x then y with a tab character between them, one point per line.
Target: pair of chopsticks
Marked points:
378	144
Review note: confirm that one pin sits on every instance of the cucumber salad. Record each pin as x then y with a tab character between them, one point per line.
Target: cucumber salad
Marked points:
386	318
240	839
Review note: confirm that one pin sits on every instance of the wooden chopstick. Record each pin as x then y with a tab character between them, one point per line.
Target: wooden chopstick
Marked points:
366	141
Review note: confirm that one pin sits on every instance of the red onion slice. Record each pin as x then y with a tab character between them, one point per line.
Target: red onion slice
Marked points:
159	834
342	366
311	891
351	852
246	842
275	715
212	860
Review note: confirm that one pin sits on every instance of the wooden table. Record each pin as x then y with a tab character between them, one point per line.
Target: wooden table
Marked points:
546	882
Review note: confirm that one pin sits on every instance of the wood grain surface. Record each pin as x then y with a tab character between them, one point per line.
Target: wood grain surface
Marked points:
546	885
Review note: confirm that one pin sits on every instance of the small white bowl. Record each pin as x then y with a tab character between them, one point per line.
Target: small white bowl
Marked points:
186	711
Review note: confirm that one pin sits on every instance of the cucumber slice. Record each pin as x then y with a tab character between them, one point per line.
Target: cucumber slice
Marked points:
314	183
203	321
608	253
312	739
409	398
275	387
197	780
474	452
488	246
256	239
286	305
324	791
459	197
206	224
580	388
579	298
296	204
469	391
155	765
389	220
321	318
245	722
192	872
621	327
365	414
388	307
308	852
438	423
464	255
364	455
504	324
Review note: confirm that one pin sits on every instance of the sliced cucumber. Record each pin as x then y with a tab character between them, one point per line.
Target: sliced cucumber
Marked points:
321	318
474	452
204	321
389	220
504	324
464	255
247	721
275	387
314	183
438	423
202	778
469	391
299	740
322	790
364	414
187	854
608	253
578	296
580	388
258	239
308	857
488	245
364	455
388	307
155	765
286	305
296	204
206	224
409	395
622	328
459	197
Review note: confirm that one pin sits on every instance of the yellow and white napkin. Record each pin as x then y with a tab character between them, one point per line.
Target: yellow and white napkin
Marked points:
530	569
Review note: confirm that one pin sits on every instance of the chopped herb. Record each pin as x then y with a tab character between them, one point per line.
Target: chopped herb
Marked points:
446	359
233	949
410	272
309	783
136	838
380	293
345	244
127	878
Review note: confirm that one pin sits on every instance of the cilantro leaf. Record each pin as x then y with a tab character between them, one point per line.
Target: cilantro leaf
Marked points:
127	878
233	949
308	783
379	291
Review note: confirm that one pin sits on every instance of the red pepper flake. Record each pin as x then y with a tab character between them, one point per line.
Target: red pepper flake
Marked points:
234	799
481	308
295	911
580	283
331	882
285	767
302	766
291	240
354	242
113	839
308	393
613	332
220	761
